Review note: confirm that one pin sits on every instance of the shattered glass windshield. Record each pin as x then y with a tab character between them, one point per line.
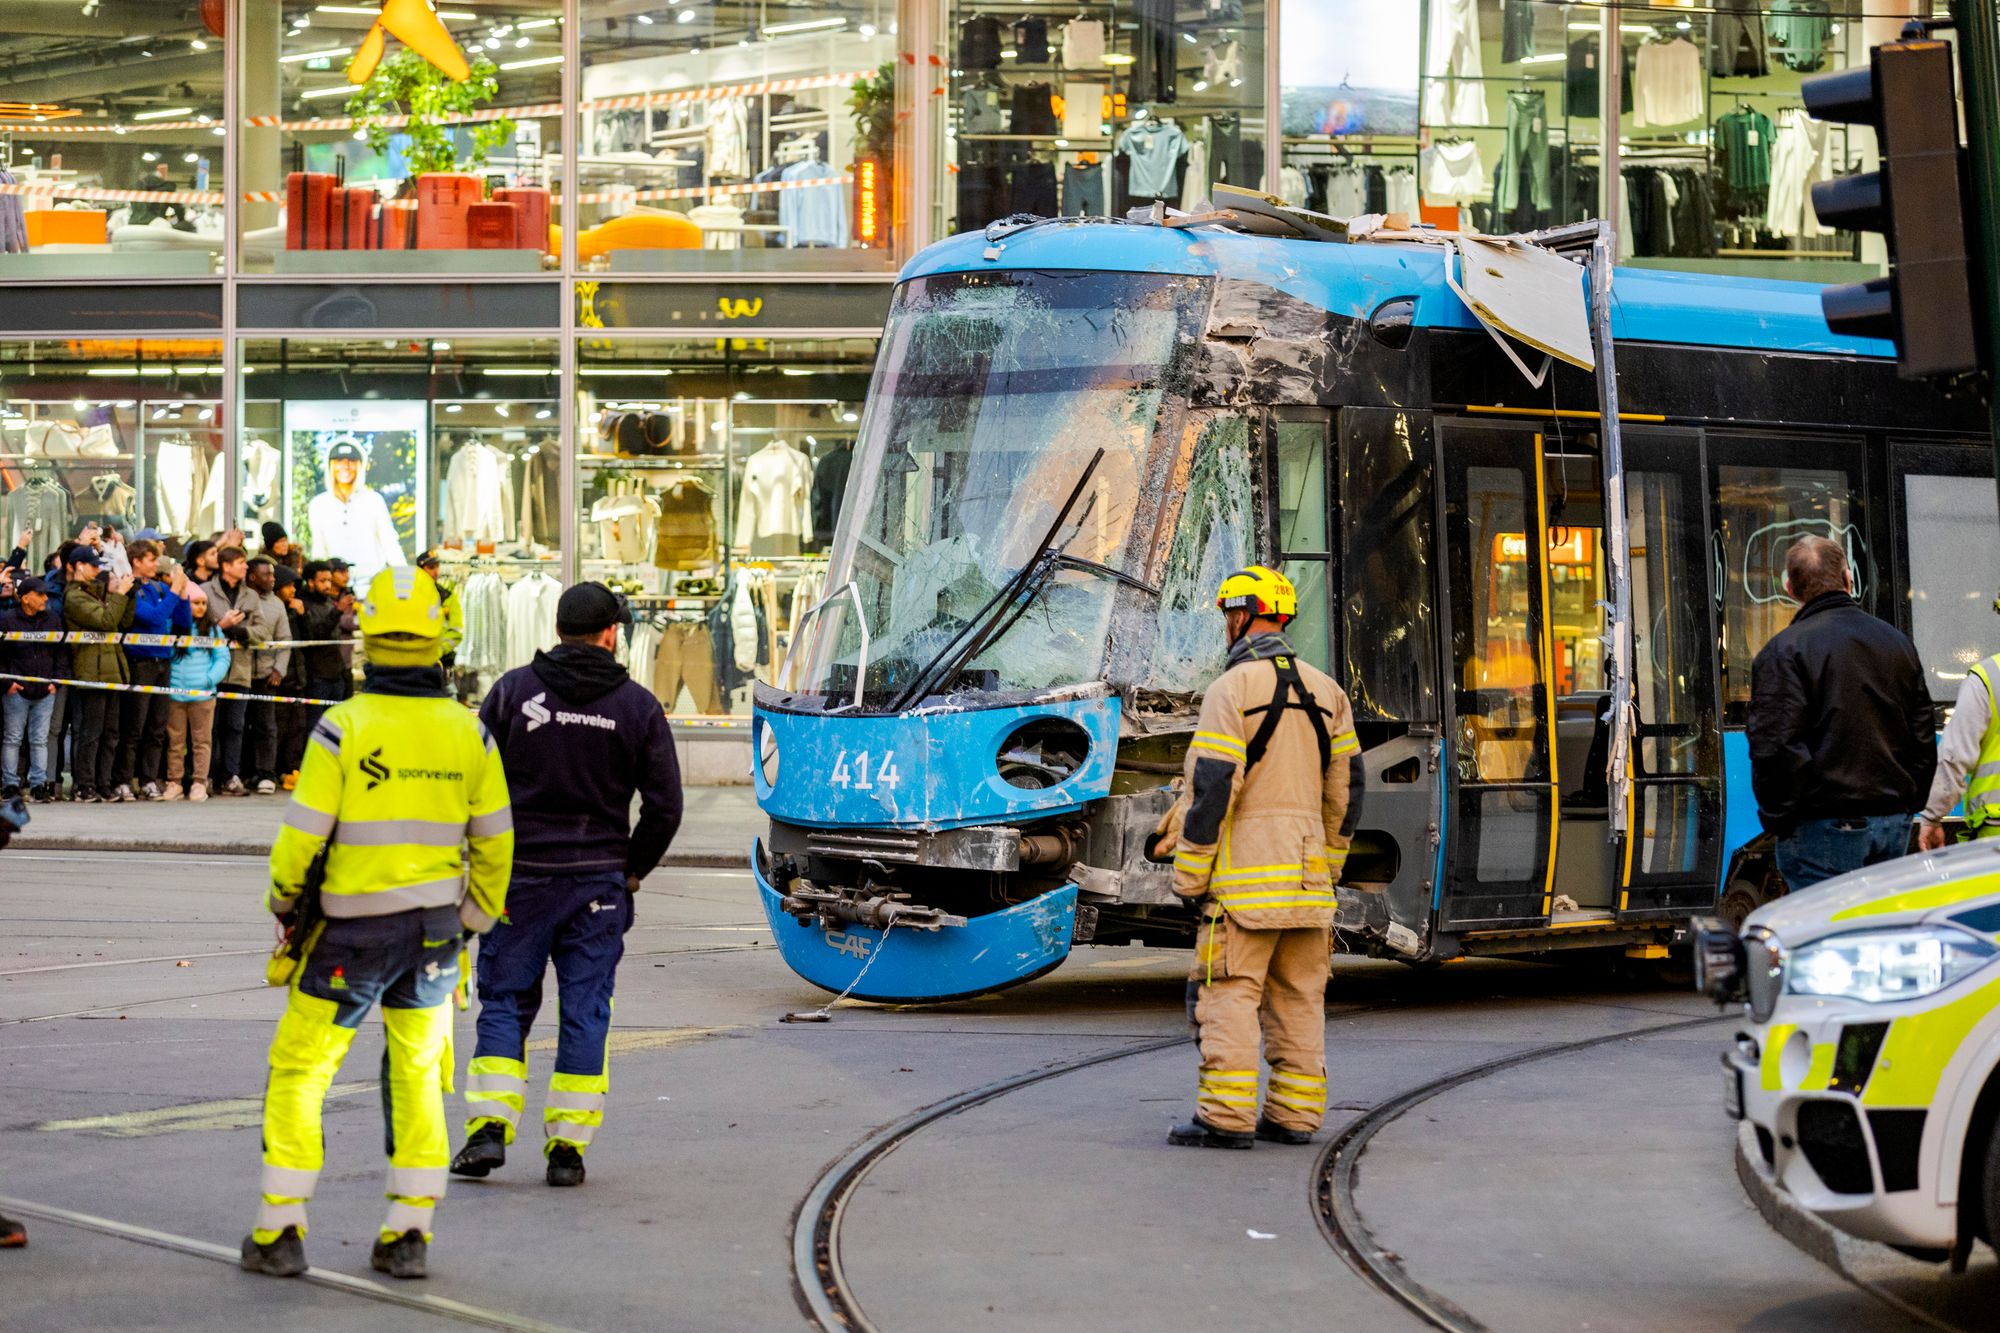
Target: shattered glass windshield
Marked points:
993	393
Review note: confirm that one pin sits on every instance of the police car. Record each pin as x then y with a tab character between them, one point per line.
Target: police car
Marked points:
1869	1061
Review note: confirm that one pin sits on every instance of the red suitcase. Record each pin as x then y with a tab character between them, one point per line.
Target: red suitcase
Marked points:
307	194
533	201
396	226
443	199
353	209
492	226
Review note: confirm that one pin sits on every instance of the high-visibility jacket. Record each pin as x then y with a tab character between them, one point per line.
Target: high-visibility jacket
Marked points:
1982	790
410	791
1269	846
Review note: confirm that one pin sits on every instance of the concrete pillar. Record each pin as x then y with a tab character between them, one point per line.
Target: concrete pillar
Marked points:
261	158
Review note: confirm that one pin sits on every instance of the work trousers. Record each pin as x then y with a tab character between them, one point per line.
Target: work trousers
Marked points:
190	727
143	725
686	656
579	923
95	746
24	734
408	963
1251	983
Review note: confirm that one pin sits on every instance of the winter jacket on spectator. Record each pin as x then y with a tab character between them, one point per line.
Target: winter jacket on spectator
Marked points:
93	606
197	671
264	621
32	659
156	610
320	620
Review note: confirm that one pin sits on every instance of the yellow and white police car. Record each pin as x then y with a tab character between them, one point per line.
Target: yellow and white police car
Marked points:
1869	1061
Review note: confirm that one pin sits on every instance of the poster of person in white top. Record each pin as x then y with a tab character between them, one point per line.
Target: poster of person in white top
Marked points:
350	521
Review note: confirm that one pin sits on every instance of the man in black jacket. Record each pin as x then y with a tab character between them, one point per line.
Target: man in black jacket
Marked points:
578	739
1843	735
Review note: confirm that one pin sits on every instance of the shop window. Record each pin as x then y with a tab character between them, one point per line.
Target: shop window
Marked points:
111	141
398	138
711	477
728	138
126	434
374	451
1057	109
1953	550
1349	125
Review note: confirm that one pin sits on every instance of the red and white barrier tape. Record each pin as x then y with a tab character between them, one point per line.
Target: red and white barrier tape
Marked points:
117	196
51	127
704	191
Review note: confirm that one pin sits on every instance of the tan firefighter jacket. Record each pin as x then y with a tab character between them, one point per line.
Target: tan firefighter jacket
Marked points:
1268	846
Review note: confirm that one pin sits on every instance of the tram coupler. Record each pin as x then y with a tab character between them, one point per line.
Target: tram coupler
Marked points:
866	906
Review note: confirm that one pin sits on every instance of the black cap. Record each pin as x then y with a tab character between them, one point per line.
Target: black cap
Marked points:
83	555
347	449
22	587
337	565
588	608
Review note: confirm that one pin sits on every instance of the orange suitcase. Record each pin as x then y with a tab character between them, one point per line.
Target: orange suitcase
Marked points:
533	201
443	199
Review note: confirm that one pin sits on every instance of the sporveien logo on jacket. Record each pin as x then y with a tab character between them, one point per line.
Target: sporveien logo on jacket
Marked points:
536	713
374	769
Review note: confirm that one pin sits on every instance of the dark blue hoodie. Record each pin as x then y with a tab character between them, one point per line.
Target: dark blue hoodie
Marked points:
578	739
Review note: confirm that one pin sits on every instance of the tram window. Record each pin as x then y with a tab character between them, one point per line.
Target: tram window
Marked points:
1308	633
1670	828
1577	589
1760	512
1211	538
1670	670
1387	543
1954	548
1498	710
1301	502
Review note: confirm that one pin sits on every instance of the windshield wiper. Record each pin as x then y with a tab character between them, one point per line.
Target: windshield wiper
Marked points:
963	646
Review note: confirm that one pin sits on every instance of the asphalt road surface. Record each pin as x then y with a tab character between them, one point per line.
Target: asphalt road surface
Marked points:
997	1163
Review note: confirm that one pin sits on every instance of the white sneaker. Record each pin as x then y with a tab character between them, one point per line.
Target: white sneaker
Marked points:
124	792
173	793
266	787
198	792
150	792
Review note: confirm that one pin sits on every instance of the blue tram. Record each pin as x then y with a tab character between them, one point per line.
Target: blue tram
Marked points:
1077	427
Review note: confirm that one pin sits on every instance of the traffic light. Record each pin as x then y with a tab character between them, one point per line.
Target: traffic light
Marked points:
1906	92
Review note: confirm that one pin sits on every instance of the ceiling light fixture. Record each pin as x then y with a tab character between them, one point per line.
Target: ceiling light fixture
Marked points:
646	19
165	113
685	16
804	25
321	54
530	64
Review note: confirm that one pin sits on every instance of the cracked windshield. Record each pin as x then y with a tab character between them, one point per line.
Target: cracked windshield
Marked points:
1008	426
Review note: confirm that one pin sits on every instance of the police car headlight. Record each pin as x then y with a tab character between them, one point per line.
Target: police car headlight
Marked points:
1881	967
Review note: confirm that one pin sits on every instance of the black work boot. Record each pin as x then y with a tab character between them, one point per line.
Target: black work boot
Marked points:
1271	1132
404	1256
283	1257
565	1165
1198	1133
485	1148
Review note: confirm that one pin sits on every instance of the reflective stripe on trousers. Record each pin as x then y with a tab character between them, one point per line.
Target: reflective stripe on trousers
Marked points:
575	1108
495	1092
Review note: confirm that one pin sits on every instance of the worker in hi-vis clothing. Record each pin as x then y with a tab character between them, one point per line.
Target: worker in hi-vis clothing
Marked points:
1968	767
404	790
1259	836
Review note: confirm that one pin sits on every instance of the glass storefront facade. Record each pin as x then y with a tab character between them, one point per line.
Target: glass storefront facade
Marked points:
608	305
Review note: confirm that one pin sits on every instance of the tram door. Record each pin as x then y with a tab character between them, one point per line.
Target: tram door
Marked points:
1529	589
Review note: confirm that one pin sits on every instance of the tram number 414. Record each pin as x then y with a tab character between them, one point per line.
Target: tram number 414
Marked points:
853	774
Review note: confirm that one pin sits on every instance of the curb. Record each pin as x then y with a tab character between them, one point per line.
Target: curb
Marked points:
28	842
1812	1236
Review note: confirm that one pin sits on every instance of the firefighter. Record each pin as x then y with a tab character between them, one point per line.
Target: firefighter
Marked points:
580	739
404	791
1259	836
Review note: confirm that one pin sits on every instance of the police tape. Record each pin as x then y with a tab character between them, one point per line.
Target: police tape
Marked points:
184	696
162	640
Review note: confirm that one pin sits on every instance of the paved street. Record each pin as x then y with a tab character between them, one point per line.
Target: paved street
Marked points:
1593	1189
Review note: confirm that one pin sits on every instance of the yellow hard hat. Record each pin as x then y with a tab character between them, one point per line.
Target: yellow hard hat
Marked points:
402	600
1260	591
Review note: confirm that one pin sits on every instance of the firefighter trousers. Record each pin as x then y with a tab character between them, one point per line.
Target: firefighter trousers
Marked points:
407	963
1251	985
578	922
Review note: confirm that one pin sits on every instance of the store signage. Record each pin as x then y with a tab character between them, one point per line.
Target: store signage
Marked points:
868	201
1567	546
695	306
416	26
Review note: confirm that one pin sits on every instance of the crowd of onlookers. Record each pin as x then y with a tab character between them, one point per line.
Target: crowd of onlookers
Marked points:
72	742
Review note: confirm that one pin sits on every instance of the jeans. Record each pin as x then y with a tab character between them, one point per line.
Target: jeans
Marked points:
261	724
1819	849
24	719
144	725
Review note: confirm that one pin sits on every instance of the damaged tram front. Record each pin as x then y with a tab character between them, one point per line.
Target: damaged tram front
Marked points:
1078	428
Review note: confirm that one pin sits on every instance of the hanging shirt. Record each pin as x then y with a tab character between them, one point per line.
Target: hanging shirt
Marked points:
1154	149
1667	84
625	525
813	214
1083	110
774	499
1083	44
179	473
531	618
478	496
727	137
1292	186
980	109
43	508
482	601
1453	172
358	530
1223	65
1194	181
721	225
260	483
1799	157
1801	29
1453	94
1743	142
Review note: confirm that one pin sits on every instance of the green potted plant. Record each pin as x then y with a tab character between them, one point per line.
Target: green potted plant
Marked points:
407	85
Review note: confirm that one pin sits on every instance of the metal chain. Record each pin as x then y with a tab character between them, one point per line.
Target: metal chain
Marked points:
826	1010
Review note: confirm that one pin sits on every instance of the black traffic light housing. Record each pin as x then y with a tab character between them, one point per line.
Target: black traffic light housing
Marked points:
1907	93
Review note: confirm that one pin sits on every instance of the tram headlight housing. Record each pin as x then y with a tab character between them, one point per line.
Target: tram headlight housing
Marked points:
1885	966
